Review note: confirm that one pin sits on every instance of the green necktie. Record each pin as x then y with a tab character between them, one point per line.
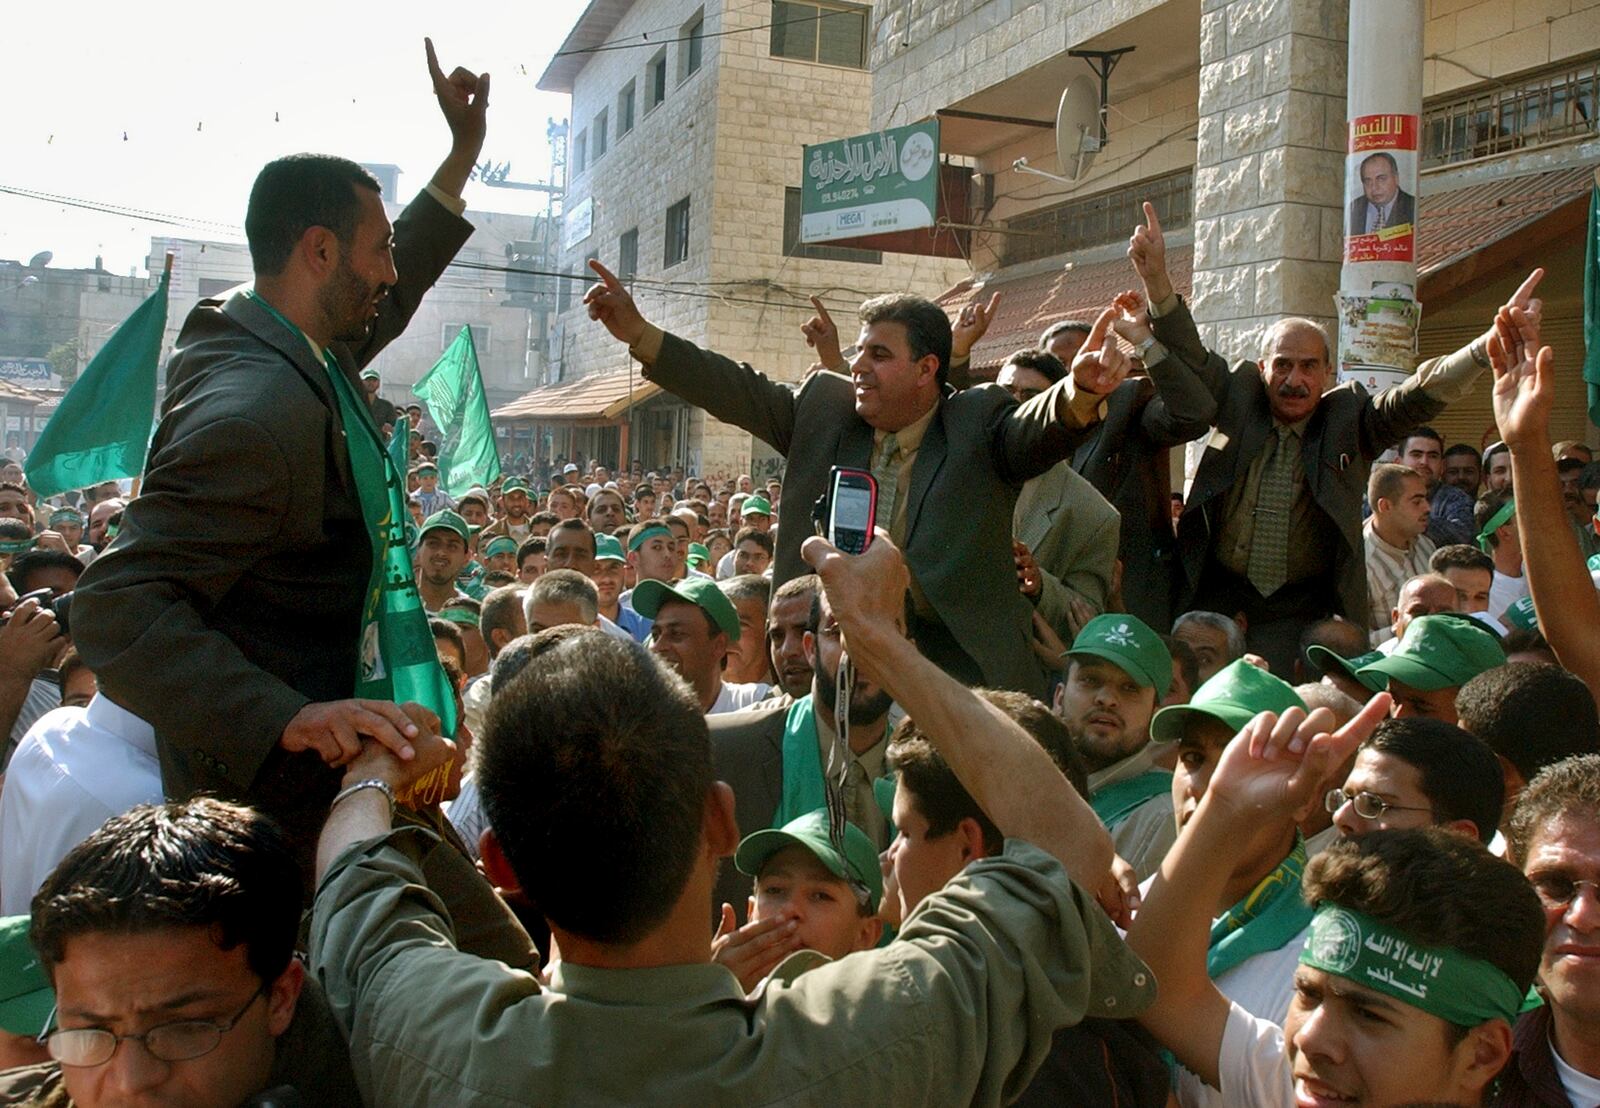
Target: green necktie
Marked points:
886	471
1269	546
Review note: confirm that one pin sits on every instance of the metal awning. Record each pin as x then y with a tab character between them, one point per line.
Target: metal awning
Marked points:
594	400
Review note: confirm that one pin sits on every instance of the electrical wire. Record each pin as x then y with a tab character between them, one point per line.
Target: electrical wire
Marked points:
609	46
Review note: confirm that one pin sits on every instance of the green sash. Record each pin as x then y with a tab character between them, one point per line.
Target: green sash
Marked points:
398	660
803	789
1268	917
1117	802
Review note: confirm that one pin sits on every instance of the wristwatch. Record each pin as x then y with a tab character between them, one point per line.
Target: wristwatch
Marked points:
1144	348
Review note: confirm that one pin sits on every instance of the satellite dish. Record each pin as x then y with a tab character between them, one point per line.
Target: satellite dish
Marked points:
41	259
1078	127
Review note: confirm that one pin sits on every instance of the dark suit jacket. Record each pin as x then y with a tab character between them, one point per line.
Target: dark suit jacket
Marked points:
747	753
1348	430
231	597
1126	459
977	452
1404	211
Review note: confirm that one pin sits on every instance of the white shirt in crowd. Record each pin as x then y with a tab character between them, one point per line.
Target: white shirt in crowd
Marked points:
1580	1087
1504	592
75	769
735	696
1252	1066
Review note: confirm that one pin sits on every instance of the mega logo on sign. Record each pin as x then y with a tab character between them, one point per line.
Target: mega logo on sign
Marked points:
871	184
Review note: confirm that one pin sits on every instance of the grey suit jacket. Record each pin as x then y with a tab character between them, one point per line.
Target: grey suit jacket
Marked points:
747	753
1404	211
231	597
976	454
1073	532
1348	430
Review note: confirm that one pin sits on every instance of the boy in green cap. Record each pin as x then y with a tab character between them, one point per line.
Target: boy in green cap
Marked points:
1258	918
1437	655
432	498
807	896
1118	669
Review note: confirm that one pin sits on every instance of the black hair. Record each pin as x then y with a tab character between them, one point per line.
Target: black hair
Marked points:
296	193
1531	714
1041	362
927	327
1459	773
598	806
199	863
37	560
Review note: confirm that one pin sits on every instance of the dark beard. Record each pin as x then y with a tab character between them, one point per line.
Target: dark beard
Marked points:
863	711
346	301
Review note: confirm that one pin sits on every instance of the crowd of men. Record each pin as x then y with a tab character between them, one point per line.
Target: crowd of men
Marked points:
1053	795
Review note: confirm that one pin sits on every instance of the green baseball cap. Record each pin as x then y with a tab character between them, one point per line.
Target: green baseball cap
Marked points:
513	484
425	467
500	544
860	860
699	554
1234	696
1327	661
1128	643
756	505
608	548
369	375
447	520
1441	651
26	998
1521	615
649	595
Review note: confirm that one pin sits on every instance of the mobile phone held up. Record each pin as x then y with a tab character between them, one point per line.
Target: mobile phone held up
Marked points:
847	511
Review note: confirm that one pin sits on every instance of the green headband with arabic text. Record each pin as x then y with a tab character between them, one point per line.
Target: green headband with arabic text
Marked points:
1439	980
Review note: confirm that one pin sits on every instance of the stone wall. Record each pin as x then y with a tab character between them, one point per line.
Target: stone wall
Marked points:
1478	40
1269	163
730	138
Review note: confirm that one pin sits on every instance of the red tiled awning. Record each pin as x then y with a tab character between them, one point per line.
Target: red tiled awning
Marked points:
595	399
1030	304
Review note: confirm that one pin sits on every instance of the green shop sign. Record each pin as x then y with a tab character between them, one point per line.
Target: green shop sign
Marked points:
871	184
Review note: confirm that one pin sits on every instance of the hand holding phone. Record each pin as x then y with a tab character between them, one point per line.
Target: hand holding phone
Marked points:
848	510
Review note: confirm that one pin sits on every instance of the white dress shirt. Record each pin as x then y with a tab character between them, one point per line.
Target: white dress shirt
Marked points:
75	769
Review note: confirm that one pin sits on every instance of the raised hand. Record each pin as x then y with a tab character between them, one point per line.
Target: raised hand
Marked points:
754	950
1277	765
1531	305
1132	324
1524	380
970	326
464	100
1100	365
612	305
822	335
1147	250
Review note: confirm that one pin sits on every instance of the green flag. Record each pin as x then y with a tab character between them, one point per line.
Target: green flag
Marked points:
400	444
101	430
1591	305
453	393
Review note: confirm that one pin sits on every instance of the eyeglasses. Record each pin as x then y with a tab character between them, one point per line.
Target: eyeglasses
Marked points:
1559	891
1367	805
170	1042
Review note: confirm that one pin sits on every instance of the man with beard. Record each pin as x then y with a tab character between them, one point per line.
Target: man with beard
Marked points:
251	515
788	620
1118	670
515	523
1274	513
441	554
774	757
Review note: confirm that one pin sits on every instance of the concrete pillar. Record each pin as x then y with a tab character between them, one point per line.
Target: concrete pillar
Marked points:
1269	170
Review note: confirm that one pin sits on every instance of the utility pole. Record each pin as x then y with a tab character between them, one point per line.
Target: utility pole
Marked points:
1377	302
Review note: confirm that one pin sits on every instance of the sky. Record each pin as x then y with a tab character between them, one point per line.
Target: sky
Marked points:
205	100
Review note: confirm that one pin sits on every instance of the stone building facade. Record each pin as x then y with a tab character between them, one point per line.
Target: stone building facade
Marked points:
726	137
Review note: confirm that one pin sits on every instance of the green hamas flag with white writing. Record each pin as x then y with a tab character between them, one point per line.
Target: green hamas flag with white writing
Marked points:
101	430
453	393
1591	305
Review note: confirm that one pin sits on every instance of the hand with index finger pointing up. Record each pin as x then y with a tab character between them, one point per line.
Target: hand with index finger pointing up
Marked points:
1100	365
612	305
1147	249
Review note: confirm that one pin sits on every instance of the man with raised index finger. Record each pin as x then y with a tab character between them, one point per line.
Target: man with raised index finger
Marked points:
948	464
227	612
1273	517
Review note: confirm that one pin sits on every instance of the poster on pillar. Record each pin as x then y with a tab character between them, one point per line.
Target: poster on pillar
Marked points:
1381	170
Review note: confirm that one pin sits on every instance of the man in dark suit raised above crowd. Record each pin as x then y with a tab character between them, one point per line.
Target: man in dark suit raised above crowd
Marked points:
948	464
